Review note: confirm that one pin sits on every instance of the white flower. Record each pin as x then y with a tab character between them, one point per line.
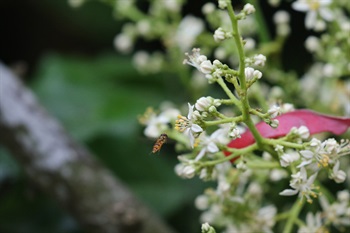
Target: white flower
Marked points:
249	44
204	103
248	9
201	202
123	43
220	35
157	124
259	60
187	126
314	9
143	27
185	171
208	8
313	224
287	107
251	73
274	111
301	184
287	159
274	123
199	61
265	218
312	43
222	4
278	174
303	132
337	175
189	28
281	17
209	144
206	67
336	213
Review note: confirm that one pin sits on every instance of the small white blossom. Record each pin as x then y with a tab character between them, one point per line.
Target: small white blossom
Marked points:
287	107
281	17
278	174
189	28
186	125
208	8
157	124
204	103
303	132
259	60
249	44
251	73
312	43
206	67
288	159
201	202
219	35
143	27
199	61
235	133
208	144
314	9
248	9
265	218
301	184
337	212
337	175
313	224
274	111
222	4
274	123
185	171
123	43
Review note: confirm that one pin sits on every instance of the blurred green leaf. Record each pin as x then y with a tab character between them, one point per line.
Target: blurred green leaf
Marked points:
92	95
98	100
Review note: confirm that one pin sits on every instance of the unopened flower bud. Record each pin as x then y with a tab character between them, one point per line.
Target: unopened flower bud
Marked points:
248	9
274	123
219	35
259	60
206	67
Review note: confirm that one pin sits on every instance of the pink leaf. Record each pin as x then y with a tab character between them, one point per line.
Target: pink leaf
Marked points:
315	122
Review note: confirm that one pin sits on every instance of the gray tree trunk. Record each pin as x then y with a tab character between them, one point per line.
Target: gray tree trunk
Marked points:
97	199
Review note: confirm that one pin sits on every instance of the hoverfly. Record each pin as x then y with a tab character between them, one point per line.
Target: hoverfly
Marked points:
159	143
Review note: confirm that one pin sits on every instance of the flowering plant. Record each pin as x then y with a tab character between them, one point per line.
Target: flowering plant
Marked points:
253	141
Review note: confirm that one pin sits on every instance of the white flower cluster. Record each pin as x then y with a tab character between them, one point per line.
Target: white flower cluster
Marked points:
317	12
156	124
319	155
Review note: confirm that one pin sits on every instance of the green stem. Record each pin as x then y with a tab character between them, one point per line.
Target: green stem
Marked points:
235	154
222	121
243	93
293	216
275	142
228	92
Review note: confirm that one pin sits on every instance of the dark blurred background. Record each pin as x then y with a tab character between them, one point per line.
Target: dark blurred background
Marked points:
66	57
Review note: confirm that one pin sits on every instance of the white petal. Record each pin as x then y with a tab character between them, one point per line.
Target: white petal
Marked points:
300	6
288	192
212	147
190	111
307	154
196	128
326	14
310	19
200	154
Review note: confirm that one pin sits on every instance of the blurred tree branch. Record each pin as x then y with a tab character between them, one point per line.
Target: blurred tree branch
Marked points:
66	170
